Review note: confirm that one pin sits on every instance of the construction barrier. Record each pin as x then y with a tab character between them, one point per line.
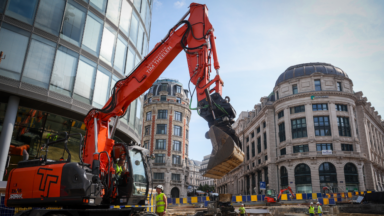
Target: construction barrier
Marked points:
324	199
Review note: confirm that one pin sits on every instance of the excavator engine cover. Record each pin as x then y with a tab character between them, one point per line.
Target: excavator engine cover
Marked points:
225	156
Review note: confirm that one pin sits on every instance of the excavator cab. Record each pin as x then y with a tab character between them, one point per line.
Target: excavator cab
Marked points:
130	174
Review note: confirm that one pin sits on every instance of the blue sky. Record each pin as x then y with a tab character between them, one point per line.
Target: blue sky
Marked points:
258	40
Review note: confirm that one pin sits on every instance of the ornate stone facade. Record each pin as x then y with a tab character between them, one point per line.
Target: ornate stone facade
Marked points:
205	180
312	131
165	134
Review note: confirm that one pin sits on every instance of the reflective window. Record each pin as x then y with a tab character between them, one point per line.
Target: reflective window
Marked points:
22	10
300	148
13	42
2	5
38	66
101	87
299	128
322	126
344	127
328	178
108	44
137	4
317	85
319	107
177	130
148	19
160	144
324	146
134	28
161	129
303	179
113	11
120	55
140	37
92	34
145	46
137	61
130	61
64	71
100	5
73	25
143	9
125	19
132	112
176	145
85	80
114	81
50	15
294	89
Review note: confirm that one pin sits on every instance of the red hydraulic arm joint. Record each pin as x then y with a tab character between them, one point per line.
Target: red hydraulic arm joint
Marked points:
194	36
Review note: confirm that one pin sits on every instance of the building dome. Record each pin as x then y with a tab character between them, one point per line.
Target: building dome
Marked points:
299	70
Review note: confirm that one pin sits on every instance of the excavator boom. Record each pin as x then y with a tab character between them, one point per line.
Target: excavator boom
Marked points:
195	36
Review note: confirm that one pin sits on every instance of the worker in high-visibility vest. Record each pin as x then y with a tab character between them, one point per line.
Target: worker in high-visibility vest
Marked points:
311	210
319	209
161	201
242	210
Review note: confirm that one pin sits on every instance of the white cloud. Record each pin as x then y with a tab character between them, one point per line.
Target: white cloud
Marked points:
179	4
158	4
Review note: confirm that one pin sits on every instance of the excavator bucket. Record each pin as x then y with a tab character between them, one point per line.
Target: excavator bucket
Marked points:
225	156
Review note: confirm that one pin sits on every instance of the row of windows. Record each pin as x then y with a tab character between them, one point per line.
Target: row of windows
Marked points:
81	28
321	125
257	130
258	146
63	70
162	129
163	114
160	158
315	107
327	177
160	176
317	88
164	98
319	147
161	144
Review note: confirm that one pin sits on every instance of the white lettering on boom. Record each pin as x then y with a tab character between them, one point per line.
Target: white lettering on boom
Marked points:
158	58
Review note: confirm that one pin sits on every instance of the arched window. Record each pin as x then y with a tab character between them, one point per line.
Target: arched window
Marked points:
328	178
351	177
283	177
303	179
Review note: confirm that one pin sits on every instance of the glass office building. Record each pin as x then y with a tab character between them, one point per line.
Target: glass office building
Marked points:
60	59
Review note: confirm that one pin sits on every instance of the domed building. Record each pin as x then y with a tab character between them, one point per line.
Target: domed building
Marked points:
312	133
165	134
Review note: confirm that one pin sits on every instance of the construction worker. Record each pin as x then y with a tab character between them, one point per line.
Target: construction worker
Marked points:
311	210
242	210
319	209
161	201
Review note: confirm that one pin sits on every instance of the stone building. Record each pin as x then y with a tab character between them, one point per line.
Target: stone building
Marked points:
313	131
203	168
165	134
194	173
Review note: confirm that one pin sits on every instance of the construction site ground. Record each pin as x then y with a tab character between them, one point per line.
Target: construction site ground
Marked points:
289	210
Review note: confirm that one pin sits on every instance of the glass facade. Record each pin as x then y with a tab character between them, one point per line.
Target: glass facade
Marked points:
66	44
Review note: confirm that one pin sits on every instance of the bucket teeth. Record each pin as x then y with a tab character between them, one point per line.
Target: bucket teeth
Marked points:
225	156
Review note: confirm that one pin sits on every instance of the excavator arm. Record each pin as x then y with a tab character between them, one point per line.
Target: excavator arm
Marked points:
196	37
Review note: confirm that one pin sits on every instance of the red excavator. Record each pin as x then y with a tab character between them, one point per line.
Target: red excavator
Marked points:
93	185
271	198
